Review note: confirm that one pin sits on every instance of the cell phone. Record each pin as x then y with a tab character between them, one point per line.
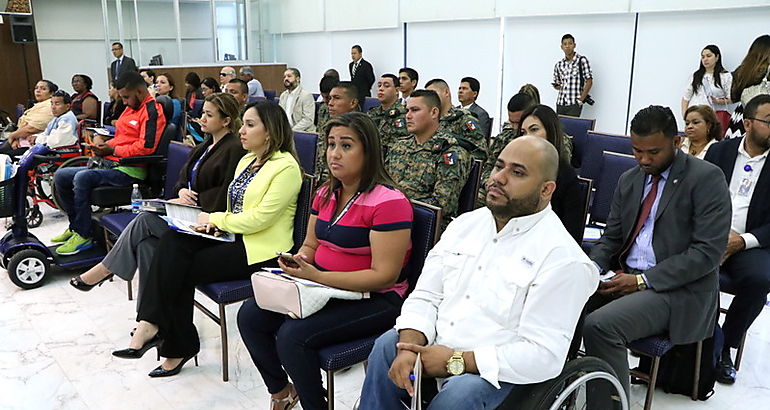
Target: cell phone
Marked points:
607	276
287	258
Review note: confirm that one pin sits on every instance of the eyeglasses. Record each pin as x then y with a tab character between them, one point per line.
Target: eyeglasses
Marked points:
223	74
767	122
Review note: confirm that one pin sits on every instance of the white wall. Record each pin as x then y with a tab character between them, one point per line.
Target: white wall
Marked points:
457	49
669	45
532	47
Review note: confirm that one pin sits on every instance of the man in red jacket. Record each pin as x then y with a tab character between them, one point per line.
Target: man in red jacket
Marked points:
137	132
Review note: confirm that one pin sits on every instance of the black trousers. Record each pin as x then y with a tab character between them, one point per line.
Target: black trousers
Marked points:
749	271
180	263
279	345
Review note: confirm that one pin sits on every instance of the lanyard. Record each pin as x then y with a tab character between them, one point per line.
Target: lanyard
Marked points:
344	210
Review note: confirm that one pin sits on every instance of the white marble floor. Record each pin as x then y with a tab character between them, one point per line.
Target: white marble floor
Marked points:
55	345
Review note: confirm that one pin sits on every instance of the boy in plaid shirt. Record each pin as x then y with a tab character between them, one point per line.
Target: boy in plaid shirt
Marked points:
573	78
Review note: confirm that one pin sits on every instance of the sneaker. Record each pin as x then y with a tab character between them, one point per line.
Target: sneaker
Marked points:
63	237
74	244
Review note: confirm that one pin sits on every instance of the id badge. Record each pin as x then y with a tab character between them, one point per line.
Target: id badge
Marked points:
745	187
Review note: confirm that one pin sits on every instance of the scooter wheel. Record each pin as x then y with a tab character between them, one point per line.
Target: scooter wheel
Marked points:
28	268
34	217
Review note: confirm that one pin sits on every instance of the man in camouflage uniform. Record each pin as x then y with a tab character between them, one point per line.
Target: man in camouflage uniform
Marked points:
429	165
343	98
327	83
390	115
516	107
459	122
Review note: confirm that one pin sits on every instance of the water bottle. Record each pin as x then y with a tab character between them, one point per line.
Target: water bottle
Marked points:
136	199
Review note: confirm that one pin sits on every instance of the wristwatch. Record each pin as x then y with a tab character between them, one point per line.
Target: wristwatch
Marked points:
640	285
455	365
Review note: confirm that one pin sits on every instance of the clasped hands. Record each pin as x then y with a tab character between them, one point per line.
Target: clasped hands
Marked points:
434	361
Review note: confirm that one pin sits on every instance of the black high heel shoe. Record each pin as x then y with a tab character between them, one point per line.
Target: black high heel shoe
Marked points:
78	283
161	372
138	353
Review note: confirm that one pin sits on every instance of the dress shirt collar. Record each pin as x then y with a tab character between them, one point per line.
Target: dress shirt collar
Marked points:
663	175
742	151
522	224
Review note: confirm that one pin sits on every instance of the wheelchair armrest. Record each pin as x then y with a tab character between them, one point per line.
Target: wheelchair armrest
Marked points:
141	159
39	159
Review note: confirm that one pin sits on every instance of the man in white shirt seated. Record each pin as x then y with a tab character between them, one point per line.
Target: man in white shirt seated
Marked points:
255	87
62	131
498	299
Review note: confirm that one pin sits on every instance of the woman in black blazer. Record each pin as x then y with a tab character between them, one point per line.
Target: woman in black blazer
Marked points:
203	181
567	201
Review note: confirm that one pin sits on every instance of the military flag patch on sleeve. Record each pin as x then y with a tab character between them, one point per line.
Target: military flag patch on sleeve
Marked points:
471	125
450	158
399	123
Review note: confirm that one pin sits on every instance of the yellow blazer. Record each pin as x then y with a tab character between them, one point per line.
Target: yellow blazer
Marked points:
269	204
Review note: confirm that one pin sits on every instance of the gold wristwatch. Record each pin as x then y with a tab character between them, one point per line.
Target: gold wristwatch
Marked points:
640	285
455	365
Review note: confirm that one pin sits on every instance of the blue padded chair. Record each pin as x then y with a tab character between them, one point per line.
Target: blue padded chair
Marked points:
655	347
255	99
269	95
19	111
612	167
234	291
114	223
470	190
306	143
427	220
577	128
315	96
197	109
369	103
727	285
596	144
586	187
105	109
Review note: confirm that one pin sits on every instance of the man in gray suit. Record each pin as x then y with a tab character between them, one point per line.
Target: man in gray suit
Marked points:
665	235
122	63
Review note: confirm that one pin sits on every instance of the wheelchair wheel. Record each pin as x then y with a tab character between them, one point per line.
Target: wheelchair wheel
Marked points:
72	162
27	269
34	216
568	390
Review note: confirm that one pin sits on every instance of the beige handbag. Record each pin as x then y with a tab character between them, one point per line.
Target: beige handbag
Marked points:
295	297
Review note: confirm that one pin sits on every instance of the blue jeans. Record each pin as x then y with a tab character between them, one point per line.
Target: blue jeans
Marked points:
468	391
73	190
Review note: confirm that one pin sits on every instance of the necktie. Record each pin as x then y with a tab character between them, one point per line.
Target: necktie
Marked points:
355	68
644	213
117	69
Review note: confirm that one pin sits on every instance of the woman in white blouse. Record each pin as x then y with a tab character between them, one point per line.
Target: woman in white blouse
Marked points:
710	84
702	129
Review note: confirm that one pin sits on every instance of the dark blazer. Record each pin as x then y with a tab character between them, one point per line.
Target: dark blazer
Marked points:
691	228
567	201
364	79
128	64
483	117
215	173
723	154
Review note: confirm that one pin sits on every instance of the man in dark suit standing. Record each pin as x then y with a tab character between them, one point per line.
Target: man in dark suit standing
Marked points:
467	94
665	235
746	262
361	73
122	63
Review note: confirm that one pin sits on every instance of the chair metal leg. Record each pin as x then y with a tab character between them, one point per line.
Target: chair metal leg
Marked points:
223	332
330	389
130	290
740	352
651	385
696	372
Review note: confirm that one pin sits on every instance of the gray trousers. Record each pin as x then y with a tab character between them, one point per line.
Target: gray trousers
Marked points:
609	326
135	249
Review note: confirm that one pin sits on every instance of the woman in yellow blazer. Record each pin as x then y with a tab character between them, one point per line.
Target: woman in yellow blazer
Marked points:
262	200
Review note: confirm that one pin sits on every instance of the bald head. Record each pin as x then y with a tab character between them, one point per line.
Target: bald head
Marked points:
523	179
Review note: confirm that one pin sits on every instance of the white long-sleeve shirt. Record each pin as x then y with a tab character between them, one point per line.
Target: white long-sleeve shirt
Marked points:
512	297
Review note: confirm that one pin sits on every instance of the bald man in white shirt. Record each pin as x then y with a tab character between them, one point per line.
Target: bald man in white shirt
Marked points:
498	299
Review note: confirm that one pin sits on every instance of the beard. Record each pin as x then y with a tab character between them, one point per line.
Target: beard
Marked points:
514	207
761	141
